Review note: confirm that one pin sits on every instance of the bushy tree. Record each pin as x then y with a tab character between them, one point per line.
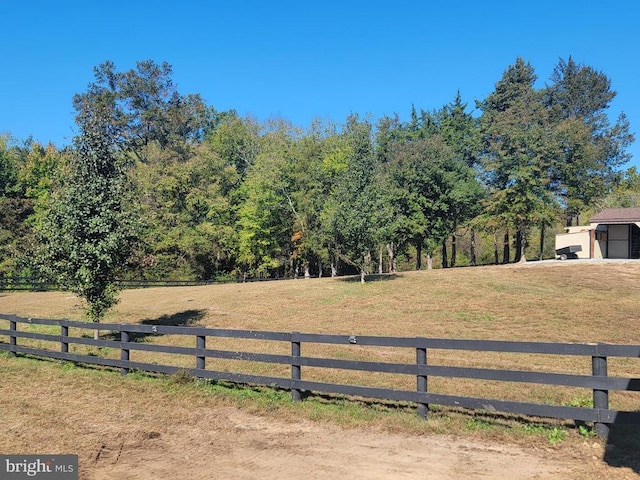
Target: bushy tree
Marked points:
350	213
519	151
590	148
89	231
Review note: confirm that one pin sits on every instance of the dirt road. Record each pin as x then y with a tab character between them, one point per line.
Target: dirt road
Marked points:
234	444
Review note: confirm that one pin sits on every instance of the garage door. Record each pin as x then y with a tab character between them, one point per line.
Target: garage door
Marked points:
618	241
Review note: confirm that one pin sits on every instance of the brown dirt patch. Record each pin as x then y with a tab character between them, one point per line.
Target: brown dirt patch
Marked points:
229	443
141	428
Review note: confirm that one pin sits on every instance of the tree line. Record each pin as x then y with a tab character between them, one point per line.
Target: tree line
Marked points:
158	184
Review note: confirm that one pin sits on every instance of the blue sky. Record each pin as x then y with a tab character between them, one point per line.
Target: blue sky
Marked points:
301	60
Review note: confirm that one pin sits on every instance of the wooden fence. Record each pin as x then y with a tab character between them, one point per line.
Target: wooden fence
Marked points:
11	283
597	354
17	284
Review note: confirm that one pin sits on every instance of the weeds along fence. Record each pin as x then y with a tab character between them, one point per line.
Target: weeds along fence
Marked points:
20	335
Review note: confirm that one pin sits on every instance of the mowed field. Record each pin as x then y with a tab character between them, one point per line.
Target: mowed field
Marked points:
106	419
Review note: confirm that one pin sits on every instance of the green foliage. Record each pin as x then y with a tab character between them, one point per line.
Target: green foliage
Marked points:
479	424
189	219
590	148
147	109
218	195
518	149
89	232
556	435
264	216
350	213
587	431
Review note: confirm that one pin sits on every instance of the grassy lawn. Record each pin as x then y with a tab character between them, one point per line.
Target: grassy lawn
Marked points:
568	302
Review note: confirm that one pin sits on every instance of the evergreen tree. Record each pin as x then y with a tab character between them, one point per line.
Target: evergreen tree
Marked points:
459	130
518	151
590	149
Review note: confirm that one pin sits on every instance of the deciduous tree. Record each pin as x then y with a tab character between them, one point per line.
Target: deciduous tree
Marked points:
90	232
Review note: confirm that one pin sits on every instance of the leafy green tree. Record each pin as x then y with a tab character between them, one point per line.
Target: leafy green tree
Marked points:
518	151
189	231
8	167
26	173
236	140
590	148
309	186
11	214
265	214
459	130
350	213
89	231
422	183
625	192
147	108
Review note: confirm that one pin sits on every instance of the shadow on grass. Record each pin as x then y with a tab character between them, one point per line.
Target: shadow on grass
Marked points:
623	446
377	277
180	319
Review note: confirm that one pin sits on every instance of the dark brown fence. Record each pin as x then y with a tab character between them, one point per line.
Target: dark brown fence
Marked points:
122	337
16	283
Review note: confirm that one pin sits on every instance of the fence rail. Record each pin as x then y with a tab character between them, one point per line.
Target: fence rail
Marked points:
36	285
599	382
17	284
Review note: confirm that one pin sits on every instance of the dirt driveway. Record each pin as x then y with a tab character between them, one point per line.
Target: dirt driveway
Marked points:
234	444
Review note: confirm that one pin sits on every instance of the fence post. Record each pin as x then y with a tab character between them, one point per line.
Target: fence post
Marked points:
13	340
64	343
124	352
421	380
201	344
600	397
296	372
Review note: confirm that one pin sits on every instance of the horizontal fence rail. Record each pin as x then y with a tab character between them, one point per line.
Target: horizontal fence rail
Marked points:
123	338
17	284
36	285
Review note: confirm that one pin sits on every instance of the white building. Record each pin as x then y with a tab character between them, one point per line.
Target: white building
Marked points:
612	233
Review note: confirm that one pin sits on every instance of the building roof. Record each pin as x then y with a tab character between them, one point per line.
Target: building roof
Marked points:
617	215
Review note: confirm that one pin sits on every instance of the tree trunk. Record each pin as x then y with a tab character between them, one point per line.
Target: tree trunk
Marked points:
542	232
307	273
505	248
472	252
454	251
518	256
380	260
569	218
429	262
521	244
419	255
392	258
496	256
445	263
334	269
319	268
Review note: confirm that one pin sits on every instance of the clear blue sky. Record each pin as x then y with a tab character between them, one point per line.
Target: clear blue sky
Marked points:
301	60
